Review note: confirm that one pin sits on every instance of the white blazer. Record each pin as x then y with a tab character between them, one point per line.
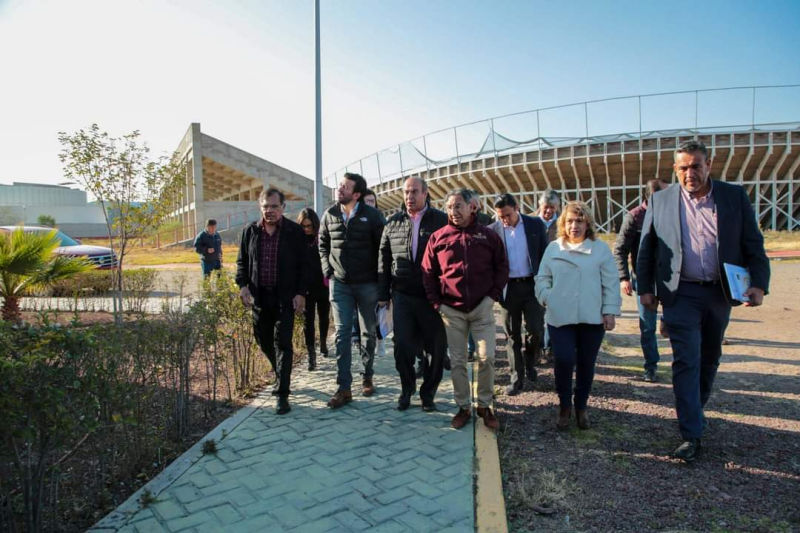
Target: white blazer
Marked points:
578	286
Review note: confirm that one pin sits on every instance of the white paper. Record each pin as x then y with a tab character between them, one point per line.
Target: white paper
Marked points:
385	320
738	281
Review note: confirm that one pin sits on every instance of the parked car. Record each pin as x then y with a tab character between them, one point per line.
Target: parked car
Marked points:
102	256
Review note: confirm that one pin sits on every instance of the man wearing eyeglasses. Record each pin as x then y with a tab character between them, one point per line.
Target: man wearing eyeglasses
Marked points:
525	239
271	274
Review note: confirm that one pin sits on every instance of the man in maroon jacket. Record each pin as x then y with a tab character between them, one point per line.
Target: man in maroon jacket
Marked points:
464	271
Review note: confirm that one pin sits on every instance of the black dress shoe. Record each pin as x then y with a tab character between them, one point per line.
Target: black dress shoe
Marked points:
513	390
650	376
404	402
428	406
282	406
688	451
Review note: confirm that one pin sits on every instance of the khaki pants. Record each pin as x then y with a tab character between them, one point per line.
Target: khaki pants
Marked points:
458	324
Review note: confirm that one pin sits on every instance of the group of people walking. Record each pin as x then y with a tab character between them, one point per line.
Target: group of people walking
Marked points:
557	285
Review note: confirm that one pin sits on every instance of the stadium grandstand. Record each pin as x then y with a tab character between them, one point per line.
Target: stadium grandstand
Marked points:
223	182
603	152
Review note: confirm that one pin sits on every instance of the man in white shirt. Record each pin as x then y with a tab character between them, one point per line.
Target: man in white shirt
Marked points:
525	239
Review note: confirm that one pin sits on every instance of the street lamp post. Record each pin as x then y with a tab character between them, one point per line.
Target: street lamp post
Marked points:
318	186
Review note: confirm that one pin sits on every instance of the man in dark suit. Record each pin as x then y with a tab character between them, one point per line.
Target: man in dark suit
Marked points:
524	239
691	229
271	273
627	244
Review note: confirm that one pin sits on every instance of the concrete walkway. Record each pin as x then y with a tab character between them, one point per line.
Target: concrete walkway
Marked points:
364	466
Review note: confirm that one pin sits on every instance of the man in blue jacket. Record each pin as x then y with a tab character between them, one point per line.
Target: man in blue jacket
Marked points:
208	244
524	239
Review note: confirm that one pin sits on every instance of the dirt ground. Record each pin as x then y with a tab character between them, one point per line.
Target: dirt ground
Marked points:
618	476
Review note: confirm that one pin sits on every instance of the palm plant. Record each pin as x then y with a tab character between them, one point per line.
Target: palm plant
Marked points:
27	262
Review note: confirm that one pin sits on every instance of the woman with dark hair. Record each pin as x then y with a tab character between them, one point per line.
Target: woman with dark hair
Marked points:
317	296
578	285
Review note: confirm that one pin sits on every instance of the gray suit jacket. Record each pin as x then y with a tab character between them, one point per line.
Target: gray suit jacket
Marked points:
739	241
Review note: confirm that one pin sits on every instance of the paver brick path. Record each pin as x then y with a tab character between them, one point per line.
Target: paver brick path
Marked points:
363	466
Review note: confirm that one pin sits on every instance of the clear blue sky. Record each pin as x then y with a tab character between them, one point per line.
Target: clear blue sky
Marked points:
391	70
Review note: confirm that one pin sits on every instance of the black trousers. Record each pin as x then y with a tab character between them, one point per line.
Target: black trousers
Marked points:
273	324
317	302
520	303
418	326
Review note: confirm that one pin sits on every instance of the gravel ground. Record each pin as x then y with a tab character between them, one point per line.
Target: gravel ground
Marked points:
618	476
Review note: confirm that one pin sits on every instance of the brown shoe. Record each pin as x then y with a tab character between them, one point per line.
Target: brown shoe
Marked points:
367	388
342	397
564	414
489	420
583	419
460	420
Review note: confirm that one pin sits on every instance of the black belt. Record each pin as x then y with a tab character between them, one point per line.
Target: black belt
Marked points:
520	280
702	283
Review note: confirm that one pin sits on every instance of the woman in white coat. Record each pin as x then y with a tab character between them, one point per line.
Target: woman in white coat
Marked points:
579	287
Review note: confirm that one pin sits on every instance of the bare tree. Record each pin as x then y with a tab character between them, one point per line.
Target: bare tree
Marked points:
135	191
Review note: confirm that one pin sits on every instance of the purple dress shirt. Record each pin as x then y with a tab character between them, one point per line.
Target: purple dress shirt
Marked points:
699	237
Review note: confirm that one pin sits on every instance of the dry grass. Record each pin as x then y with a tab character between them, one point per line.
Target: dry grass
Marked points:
539	492
781	240
146	256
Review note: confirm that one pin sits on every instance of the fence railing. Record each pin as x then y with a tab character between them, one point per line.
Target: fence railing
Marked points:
629	117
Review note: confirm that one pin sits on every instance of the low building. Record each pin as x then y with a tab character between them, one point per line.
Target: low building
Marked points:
23	203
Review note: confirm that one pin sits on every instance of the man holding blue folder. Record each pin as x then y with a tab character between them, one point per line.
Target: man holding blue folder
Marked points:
691	229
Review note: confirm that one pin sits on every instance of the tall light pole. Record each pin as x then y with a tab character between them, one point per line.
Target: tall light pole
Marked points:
318	186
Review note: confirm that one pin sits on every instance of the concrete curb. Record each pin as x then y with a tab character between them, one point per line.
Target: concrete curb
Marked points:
490	505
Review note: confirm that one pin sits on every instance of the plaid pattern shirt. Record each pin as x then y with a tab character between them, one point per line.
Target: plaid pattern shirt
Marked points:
268	256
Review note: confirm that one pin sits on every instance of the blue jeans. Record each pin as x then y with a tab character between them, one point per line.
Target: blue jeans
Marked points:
575	348
210	266
696	323
345	297
647	334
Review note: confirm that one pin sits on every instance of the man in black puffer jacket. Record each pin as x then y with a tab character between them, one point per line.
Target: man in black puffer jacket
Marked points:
350	233
417	325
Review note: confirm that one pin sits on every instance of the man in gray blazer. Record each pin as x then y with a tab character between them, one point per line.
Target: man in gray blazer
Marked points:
691	229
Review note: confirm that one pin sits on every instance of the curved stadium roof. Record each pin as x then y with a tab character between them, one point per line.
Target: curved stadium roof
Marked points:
604	151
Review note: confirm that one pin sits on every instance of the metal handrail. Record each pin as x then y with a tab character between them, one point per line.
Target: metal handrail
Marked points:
492	132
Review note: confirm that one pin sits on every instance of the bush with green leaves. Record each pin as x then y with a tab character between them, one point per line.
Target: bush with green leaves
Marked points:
46	220
117	396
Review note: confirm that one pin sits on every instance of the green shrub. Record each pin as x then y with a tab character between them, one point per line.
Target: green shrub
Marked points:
46	220
93	282
139	285
115	395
